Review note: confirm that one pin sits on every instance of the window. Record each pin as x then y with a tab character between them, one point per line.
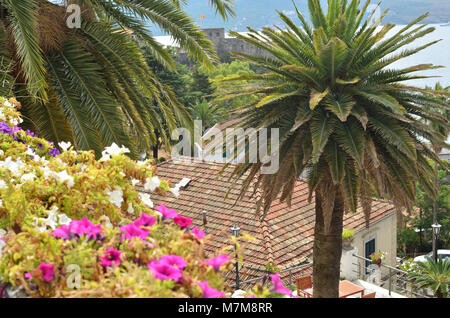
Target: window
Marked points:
369	248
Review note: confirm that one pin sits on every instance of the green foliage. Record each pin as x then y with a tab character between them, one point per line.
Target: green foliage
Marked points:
434	275
347	233
90	85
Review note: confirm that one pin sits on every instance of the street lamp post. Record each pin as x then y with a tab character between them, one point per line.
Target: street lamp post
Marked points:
436	229
235	232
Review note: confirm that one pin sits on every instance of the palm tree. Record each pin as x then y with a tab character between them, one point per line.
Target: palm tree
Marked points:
91	85
434	275
345	119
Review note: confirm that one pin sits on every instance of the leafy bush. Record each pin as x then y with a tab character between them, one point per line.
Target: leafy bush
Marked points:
347	233
73	226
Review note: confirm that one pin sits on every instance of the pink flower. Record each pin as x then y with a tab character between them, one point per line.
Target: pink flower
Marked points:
164	271
182	221
111	258
173	260
198	233
28	276
278	286
250	296
2	239
79	228
48	271
209	292
62	232
144	220
167	213
131	230
216	262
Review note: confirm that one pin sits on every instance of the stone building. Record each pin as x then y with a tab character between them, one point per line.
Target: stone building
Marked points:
225	44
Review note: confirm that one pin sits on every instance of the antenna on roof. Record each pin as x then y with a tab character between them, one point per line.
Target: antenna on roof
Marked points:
204	220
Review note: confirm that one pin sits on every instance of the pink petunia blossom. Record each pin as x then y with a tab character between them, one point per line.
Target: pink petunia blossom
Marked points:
164	271
167	213
197	232
62	232
111	258
250	296
131	230
182	221
209	292
173	260
28	276
48	271
217	262
278	286
145	220
78	228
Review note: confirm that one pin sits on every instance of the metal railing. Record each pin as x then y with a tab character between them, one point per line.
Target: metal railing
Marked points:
288	280
397	280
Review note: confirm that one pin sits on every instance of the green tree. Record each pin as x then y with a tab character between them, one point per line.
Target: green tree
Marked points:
421	218
91	85
434	275
344	116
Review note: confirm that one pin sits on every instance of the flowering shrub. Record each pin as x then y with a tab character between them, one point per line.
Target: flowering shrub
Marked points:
377	257
74	226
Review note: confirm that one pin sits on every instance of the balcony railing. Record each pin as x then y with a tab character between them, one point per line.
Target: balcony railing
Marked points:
390	278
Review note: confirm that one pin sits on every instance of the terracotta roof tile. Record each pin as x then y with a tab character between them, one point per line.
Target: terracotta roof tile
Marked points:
284	237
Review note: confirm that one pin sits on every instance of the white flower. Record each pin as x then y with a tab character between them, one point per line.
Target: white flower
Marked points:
13	166
27	177
141	163
50	221
64	145
152	184
134	181
115	150
7	103
1	204
2	232
130	208
116	197
63	219
1	247
2	152
175	191
145	197
30	151
105	156
3	185
122	174
64	176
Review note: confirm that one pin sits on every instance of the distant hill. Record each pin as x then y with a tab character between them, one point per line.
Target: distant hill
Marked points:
260	13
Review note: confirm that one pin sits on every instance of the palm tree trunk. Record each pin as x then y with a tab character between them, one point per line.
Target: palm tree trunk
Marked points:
327	249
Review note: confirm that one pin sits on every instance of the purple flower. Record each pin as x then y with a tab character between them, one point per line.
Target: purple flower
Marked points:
4	128
278	286
198	233
112	257
30	133
164	271
40	145
167	213
174	260
144	220
54	152
209	292
217	262
131	230
48	271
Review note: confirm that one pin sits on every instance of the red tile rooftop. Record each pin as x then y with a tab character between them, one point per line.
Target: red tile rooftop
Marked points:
284	237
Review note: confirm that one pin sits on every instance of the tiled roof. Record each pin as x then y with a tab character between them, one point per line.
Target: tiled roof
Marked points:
284	237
